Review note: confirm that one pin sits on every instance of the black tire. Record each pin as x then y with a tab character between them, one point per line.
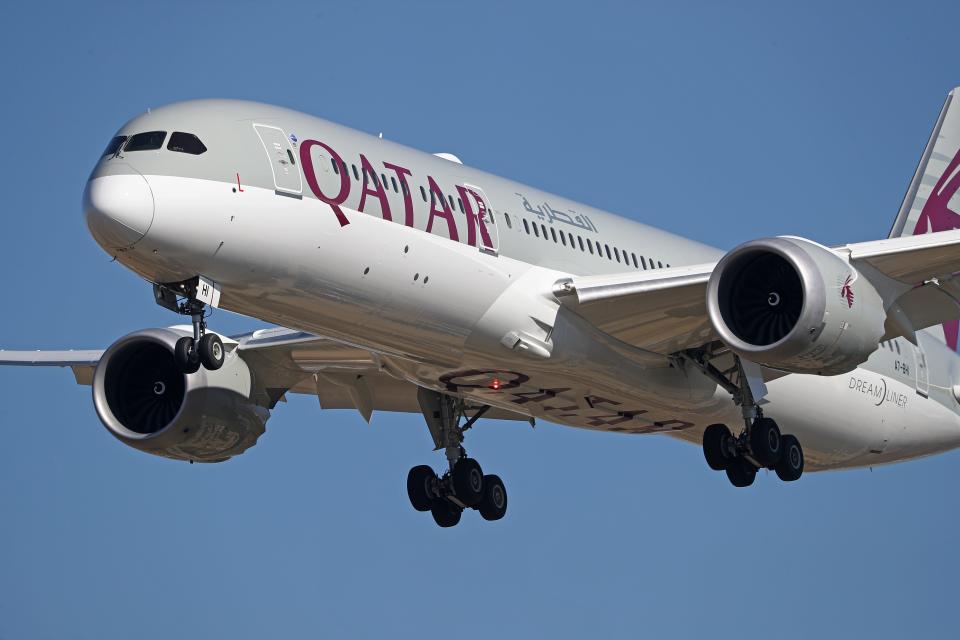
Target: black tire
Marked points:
211	351
493	506
741	473
185	355
765	442
468	481
790	467
714	446
420	482
445	514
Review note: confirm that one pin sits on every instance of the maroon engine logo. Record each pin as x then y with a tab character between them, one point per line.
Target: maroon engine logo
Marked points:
846	291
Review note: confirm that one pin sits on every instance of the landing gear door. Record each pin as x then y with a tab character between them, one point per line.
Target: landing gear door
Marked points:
486	232
286	174
923	377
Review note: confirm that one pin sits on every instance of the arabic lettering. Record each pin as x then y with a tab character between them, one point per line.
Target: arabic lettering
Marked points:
546	212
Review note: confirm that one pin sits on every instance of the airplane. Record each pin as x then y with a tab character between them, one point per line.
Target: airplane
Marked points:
400	280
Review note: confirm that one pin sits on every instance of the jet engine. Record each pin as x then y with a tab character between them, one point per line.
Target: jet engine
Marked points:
794	305
146	402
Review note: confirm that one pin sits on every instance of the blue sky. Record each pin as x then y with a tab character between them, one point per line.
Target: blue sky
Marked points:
724	123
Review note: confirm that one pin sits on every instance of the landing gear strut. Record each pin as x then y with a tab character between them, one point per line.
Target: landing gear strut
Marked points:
463	485
190	352
759	444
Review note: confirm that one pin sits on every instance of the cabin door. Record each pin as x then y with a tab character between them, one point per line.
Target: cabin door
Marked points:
283	163
486	232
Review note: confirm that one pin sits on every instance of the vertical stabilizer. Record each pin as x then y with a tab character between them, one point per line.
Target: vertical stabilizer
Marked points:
932	202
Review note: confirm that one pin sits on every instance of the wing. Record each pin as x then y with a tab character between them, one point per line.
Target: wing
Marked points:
665	310
916	276
82	362
662	311
287	361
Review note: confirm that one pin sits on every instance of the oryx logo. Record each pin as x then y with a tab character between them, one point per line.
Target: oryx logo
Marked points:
937	215
846	291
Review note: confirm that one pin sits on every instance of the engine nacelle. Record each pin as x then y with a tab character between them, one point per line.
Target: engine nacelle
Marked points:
144	400
794	305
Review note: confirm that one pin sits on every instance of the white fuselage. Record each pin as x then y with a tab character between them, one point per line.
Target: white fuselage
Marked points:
441	312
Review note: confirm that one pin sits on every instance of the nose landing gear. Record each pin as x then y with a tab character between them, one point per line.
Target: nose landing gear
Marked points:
190	352
463	485
759	445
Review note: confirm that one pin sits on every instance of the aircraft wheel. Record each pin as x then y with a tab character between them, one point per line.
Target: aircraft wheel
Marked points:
419	487
493	505
741	473
186	356
211	351
468	481
445	513
765	442
715	438
790	466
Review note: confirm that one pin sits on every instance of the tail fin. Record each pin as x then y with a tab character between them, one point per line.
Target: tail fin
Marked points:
932	202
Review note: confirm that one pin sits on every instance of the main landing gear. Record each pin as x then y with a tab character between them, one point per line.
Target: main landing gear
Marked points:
463	485
190	352
760	443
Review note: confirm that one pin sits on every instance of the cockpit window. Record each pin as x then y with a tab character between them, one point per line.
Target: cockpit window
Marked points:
114	145
185	143
148	141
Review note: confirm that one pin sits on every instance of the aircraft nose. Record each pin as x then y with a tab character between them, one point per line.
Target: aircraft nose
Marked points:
118	207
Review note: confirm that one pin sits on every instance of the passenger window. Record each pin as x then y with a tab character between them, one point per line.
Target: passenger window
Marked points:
616	252
289	155
643	262
506	216
553	232
423	193
393	181
607	247
590	246
114	146
563	238
356	174
580	240
460	204
636	265
385	183
896	343
536	231
526	227
336	167
543	228
659	265
452	207
149	141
